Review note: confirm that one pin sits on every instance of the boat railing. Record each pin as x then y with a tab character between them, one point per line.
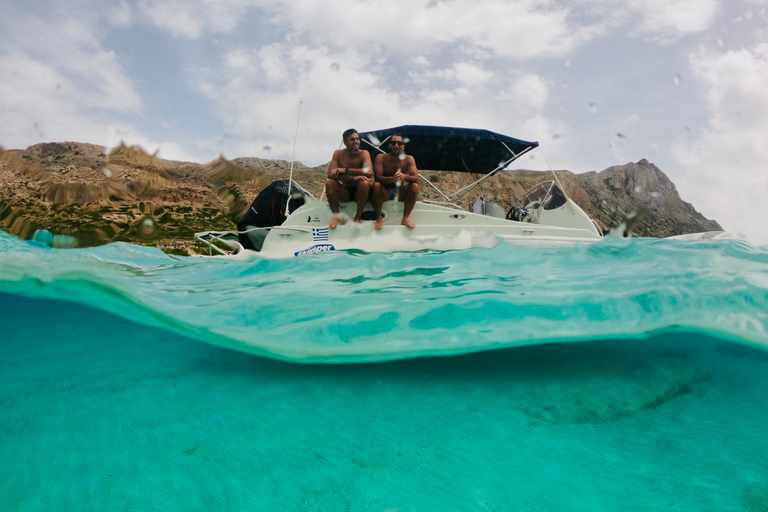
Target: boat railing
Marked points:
442	203
226	237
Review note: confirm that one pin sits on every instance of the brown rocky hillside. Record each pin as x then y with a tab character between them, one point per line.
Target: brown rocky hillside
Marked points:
128	195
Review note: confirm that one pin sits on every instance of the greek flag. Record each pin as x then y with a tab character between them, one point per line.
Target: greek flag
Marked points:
320	234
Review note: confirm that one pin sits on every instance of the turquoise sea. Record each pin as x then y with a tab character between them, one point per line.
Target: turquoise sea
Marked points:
625	375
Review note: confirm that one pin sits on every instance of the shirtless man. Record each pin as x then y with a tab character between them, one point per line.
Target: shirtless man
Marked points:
349	175
396	175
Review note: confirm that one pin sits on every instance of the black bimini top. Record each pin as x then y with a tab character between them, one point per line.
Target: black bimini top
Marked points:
442	148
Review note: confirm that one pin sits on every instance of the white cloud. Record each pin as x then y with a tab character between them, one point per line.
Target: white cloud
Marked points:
728	159
57	82
122	133
65	52
181	20
259	109
667	20
472	75
514	28
103	83
271	62
423	78
121	15
60	103
237	61
618	140
461	74
261	89
661	21
520	29
552	136
531	91
39	104
193	18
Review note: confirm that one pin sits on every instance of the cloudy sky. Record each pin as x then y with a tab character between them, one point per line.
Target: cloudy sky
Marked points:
683	83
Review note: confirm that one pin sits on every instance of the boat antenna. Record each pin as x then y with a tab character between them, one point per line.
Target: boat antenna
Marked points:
552	170
293	159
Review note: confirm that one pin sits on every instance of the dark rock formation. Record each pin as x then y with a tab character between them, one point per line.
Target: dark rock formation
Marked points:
640	187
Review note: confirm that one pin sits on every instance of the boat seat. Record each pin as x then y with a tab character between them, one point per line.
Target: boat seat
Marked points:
489	209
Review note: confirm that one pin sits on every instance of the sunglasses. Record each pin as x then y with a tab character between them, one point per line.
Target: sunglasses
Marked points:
397	143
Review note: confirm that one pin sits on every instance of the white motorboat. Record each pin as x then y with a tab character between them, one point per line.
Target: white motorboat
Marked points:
286	221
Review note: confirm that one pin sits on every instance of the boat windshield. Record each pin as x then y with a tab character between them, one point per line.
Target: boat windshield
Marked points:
547	194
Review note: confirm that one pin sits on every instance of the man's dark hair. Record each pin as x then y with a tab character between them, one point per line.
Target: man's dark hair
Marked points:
395	135
347	133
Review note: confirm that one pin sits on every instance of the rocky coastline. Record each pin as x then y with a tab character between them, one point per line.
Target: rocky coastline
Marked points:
81	191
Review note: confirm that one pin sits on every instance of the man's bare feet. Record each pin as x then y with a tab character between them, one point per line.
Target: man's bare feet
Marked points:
358	221
407	223
379	223
334	222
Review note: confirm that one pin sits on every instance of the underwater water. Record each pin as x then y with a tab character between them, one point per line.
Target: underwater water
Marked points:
625	375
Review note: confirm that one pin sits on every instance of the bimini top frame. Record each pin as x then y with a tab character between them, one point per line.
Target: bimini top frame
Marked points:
443	148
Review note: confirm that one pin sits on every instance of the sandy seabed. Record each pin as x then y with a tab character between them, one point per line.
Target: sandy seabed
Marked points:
98	413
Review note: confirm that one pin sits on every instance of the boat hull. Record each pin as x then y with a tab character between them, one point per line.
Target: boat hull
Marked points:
305	231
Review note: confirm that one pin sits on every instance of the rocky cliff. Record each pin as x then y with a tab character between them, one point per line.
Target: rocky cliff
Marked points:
128	195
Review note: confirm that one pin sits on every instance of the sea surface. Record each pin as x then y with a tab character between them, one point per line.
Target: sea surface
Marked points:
624	375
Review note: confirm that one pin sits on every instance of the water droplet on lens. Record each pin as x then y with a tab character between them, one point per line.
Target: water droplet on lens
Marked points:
592	107
620	135
147	227
401	156
267	148
366	168
106	172
335	66
677	79
374	139
378	264
638	189
43	236
655	194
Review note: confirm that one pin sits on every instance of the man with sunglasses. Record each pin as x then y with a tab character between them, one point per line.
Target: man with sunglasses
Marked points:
396	176
349	176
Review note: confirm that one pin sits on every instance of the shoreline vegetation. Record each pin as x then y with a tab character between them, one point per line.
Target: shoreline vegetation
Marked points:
127	195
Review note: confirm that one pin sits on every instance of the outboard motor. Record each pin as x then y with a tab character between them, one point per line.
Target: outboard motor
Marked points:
268	210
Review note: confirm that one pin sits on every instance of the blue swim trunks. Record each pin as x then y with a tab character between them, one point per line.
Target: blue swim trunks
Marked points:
392	192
